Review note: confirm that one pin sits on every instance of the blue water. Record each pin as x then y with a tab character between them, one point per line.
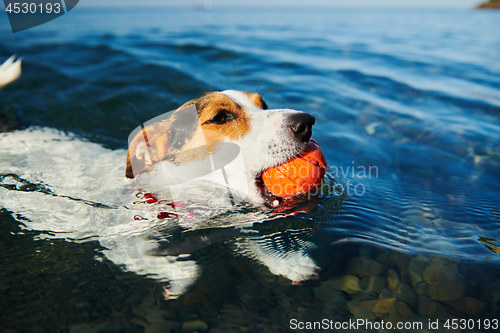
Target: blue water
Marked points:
413	96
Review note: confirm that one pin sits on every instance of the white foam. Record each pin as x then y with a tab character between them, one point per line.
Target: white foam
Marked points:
89	197
73	189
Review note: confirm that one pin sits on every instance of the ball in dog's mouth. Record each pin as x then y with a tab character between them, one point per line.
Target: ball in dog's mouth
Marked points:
299	175
270	200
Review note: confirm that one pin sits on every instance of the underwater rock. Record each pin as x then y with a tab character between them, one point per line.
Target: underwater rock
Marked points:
422	288
155	314
414	215
416	268
223	328
491	4
430	308
392	279
107	327
347	283
495	297
404	292
467	305
434	272
400	312
383	306
411	212
335	303
373	283
364	267
365	314
445	281
379	307
366	296
330	295
237	316
387	258
402	264
163	326
354	307
451	287
385	293
194	325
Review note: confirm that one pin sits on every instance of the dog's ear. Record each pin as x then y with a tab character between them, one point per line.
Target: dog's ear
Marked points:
184	123
162	139
257	100
139	156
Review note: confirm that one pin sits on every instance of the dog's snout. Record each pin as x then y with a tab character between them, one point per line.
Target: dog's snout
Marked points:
301	125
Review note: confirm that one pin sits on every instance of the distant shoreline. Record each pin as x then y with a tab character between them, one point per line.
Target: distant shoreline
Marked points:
492	4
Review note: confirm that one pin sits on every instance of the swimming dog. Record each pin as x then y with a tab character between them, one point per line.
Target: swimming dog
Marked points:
264	137
107	208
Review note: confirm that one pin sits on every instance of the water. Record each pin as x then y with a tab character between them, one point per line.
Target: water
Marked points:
407	104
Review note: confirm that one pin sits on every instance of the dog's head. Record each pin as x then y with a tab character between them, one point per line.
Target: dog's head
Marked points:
265	137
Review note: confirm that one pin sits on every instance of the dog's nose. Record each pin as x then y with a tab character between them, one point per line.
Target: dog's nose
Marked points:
301	125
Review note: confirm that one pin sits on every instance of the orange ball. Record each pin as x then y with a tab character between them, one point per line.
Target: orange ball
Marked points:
299	175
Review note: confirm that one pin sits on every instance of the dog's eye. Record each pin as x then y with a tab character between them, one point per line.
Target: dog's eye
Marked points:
222	117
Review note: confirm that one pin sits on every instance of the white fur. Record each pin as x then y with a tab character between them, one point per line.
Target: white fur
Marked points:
269	142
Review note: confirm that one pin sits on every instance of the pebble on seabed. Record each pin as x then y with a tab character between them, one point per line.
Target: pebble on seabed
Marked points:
445	281
194	325
373	283
400	312
347	283
467	305
404	288
392	279
401	289
404	292
416	269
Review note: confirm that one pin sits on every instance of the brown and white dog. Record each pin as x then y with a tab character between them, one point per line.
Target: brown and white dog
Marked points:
265	137
89	199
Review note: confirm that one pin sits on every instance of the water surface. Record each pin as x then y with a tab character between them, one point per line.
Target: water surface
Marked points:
407	104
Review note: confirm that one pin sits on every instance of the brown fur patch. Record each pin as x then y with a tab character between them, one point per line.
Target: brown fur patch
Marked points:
257	100
150	145
163	138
